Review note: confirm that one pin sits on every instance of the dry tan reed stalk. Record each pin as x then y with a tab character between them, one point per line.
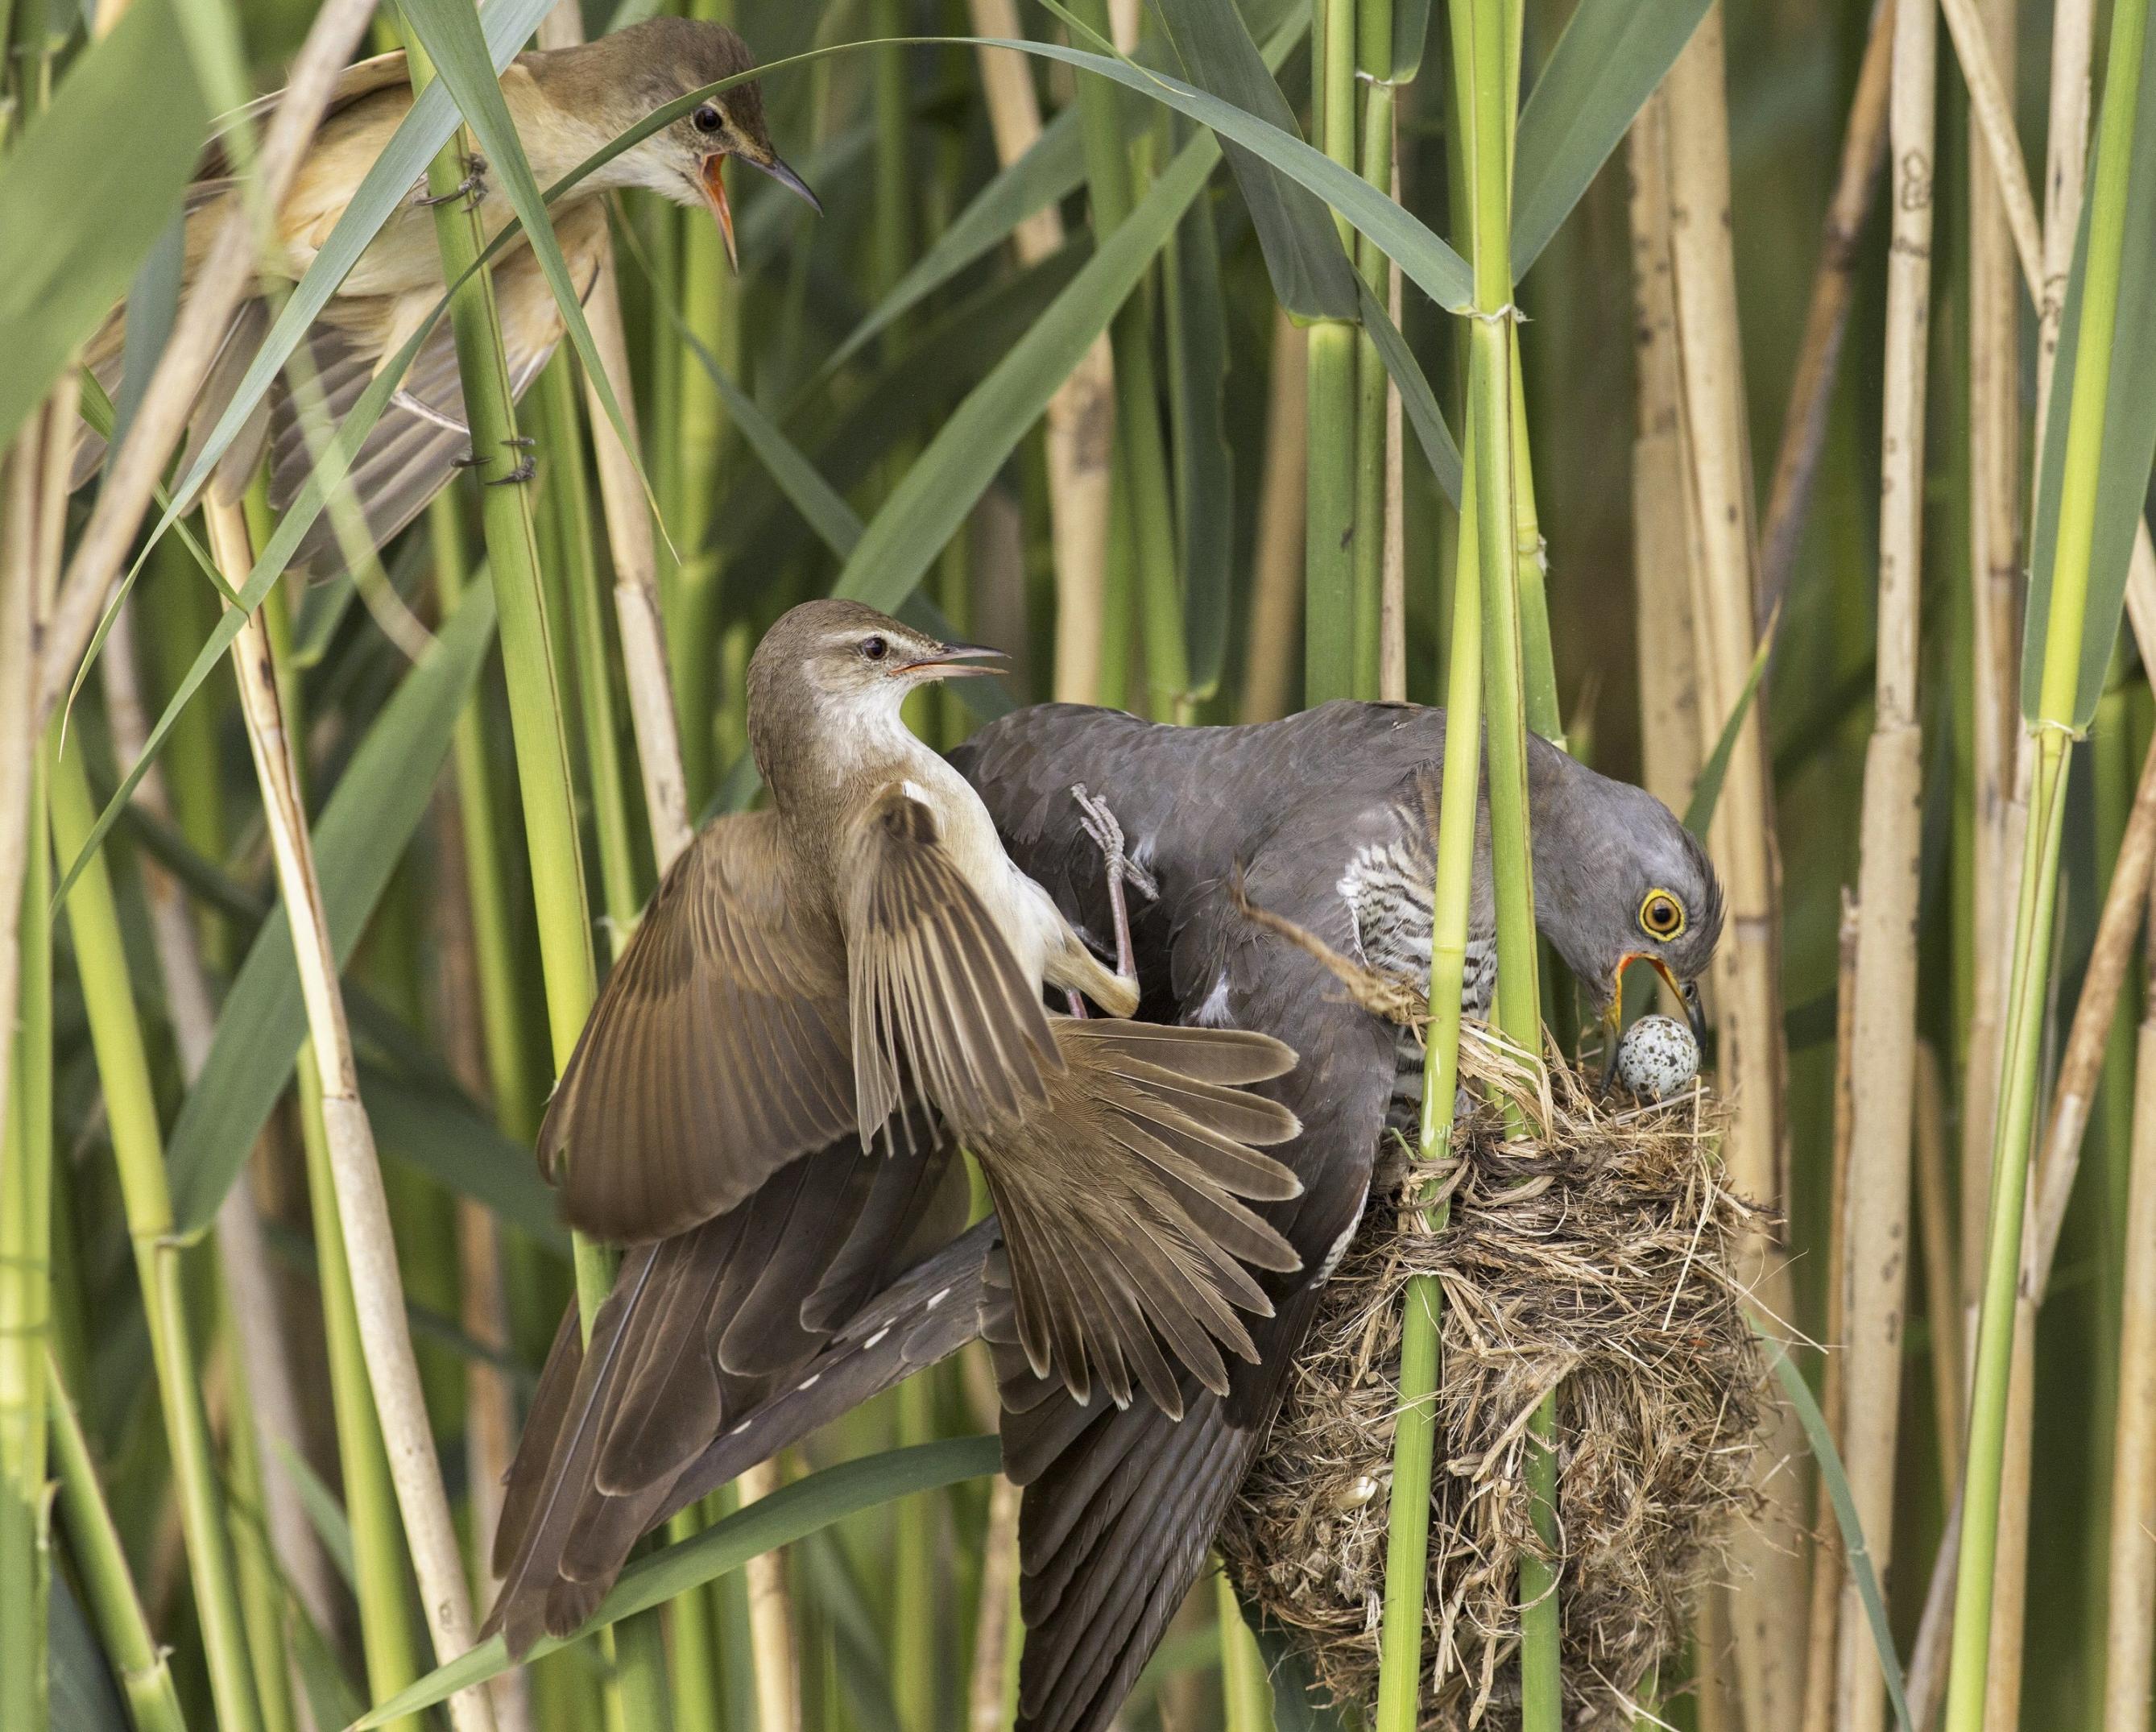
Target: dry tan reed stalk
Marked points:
362	1207
2081	1066
1875	1225
1993	125
771	1617
1663	532
1080	418
1994	415
1270	660
226	275
2132	1629
1827	1532
1942	1295
992	1624
243	1250
1826	317
1765	1617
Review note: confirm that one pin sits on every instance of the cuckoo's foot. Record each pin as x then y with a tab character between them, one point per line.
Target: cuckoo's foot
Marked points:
527	465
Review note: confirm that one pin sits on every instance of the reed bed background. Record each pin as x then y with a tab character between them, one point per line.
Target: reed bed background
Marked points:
1804	364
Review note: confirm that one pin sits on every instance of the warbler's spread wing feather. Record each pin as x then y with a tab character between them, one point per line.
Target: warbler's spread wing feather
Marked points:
940	1003
717	1051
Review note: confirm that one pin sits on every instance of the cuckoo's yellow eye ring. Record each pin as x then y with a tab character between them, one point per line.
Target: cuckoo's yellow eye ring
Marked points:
1661	915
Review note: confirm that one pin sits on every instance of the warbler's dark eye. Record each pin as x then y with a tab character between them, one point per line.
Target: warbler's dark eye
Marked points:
707	118
1661	915
875	649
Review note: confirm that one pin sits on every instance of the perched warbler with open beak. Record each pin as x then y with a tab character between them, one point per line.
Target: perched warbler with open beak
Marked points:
568	103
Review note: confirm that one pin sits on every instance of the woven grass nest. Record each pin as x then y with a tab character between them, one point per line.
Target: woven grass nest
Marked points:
1597	1256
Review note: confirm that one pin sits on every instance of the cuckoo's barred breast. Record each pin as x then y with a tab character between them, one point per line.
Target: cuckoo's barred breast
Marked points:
1387	887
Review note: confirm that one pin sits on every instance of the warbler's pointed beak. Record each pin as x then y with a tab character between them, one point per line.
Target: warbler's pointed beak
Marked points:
777	170
714	196
956	661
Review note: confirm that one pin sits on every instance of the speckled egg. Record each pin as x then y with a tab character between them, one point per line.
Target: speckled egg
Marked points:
1657	1057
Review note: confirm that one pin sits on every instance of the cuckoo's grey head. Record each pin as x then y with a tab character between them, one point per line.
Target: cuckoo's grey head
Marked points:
1619	881
829	676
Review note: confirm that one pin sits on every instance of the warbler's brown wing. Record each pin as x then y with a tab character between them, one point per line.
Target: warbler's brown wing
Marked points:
940	1003
699	1333
422	437
717	1051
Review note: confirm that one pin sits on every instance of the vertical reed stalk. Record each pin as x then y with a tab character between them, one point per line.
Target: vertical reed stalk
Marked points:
1767	1583
1994	414
2130	1664
1826	1538
1826	317
1140	454
1269	658
1329	552
1876	1225
1415	1436
123	1068
1941	1289
243	1252
362	1207
995	1622
1663	532
26	1118
1079	430
142	1666
1373	56
710	306
2053	723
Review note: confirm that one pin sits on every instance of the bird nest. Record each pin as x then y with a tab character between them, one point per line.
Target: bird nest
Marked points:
1595	1254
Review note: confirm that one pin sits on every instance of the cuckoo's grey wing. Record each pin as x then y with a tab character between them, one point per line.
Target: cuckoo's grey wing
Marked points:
1120	1505
716	1053
699	1331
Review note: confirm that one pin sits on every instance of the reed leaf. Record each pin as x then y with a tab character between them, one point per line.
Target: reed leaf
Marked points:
2128	438
64	277
789	1513
360	835
1606	65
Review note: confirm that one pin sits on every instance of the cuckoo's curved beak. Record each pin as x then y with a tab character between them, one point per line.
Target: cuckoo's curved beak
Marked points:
956	661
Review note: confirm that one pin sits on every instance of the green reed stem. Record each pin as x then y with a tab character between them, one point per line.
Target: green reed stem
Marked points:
139	1661
638	1687
2030	975
1330	582
26	1297
1141	460
131	1104
569	488
1374	29
710	306
1414	1436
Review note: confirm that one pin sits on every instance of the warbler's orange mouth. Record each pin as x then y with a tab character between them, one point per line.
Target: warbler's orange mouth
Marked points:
715	195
